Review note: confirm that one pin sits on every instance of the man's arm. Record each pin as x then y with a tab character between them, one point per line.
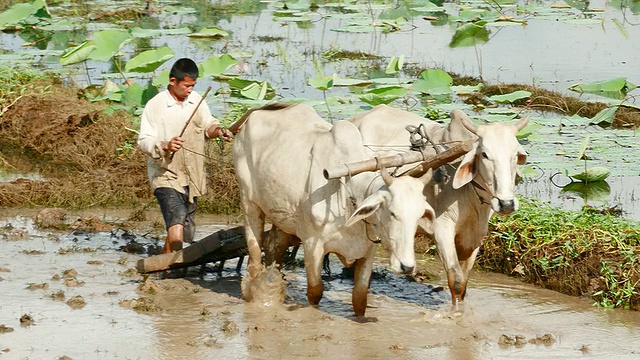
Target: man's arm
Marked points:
149	142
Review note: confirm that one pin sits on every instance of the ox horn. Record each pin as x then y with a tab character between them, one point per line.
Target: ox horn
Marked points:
427	176
466	121
386	176
522	122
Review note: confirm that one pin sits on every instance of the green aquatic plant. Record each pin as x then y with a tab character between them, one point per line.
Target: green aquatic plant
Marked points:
323	84
588	252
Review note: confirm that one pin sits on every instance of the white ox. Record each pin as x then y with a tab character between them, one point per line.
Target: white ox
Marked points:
483	182
279	157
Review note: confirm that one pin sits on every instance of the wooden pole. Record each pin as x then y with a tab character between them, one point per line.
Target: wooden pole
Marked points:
459	148
374	164
184	128
452	153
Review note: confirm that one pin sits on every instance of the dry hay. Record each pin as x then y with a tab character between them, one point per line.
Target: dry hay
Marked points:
545	100
82	154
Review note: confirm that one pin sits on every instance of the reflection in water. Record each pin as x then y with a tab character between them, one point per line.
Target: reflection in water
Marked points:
622	194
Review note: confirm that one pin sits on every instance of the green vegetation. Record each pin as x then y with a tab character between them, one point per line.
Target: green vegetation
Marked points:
581	253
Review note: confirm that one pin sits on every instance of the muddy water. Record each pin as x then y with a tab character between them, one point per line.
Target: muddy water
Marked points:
196	318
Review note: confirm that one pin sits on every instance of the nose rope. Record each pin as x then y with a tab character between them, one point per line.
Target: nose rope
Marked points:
367	224
476	185
375	240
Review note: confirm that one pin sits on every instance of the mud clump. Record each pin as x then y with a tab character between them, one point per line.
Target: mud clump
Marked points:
26	320
32	252
69	274
129	273
58	295
5	329
546	339
73	282
506	340
141	305
76	302
520	340
148	286
229	327
51	218
15	235
34	286
91	224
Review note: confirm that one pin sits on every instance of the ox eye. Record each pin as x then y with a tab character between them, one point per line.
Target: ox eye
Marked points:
484	155
393	215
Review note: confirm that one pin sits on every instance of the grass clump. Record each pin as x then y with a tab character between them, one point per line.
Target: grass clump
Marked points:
580	253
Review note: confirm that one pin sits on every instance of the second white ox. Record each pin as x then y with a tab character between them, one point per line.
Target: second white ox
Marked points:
279	156
483	182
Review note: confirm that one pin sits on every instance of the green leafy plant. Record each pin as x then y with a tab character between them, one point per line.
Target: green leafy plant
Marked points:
613	88
584	252
433	82
22	12
323	84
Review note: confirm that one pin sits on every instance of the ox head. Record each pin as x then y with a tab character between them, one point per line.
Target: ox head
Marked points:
398	205
492	161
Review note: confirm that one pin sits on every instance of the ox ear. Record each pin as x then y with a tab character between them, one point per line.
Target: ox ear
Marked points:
522	155
367	207
427	219
467	169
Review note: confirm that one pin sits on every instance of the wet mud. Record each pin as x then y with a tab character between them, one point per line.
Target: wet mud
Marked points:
76	295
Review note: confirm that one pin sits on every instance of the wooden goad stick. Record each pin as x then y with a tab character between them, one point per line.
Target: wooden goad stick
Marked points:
192	115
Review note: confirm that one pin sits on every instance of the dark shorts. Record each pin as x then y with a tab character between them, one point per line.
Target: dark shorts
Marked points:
176	209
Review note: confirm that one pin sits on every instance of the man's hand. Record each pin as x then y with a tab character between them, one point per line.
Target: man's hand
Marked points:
218	131
226	134
172	145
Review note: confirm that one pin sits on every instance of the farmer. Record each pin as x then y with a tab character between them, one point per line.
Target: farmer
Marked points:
173	129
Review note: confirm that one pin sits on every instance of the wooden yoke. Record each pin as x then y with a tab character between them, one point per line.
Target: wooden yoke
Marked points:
458	149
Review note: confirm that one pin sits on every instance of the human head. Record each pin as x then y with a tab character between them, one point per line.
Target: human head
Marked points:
182	78
184	67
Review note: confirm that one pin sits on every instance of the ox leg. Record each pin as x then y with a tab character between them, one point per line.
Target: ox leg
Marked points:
361	279
253	232
275	246
445	241
313	256
467	265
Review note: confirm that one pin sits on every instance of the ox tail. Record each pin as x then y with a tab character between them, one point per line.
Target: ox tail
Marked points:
236	126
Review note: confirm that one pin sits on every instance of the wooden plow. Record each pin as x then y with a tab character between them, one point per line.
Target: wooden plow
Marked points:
219	246
231	243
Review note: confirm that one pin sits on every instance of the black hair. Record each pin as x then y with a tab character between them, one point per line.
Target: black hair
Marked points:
184	67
